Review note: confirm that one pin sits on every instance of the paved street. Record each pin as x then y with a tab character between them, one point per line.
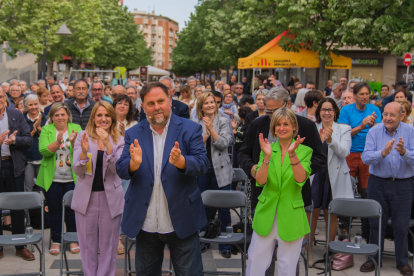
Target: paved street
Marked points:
212	260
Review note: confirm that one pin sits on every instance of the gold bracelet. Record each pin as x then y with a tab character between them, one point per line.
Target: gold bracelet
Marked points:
295	163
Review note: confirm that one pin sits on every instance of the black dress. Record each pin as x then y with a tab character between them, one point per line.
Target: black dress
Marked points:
321	187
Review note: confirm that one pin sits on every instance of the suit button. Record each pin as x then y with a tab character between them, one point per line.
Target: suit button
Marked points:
219	154
338	168
152	185
221	166
146	204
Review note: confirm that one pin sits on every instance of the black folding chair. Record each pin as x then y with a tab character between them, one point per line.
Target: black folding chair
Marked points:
24	201
364	208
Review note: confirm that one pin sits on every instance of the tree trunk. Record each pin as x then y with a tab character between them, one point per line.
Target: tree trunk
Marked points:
322	69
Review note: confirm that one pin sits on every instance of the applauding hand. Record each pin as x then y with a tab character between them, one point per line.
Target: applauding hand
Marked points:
85	143
265	145
12	139
175	154
135	152
72	138
400	147
295	145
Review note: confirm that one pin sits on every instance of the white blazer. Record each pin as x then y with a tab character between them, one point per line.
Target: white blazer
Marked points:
338	169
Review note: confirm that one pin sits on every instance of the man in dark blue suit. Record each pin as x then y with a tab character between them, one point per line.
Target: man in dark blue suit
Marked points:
163	157
178	108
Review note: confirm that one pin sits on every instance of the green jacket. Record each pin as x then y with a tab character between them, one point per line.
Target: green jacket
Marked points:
283	194
48	163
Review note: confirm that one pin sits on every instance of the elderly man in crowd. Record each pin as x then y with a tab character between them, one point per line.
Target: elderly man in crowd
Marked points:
14	82
97	90
15	138
336	94
347	98
57	94
132	93
15	93
389	151
361	116
41	83
225	88
192	83
344	83
23	88
80	106
6	88
351	85
249	153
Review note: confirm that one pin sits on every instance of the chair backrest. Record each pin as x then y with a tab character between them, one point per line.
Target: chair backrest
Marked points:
224	199
352	207
67	199
239	175
20	200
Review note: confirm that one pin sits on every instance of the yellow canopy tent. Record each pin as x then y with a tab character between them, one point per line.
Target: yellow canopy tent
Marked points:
272	55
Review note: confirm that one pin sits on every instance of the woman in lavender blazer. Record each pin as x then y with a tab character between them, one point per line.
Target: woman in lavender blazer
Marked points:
98	199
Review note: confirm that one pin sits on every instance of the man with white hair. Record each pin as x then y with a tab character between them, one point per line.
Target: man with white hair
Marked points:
6	88
178	108
351	85
41	83
15	94
336	94
23	88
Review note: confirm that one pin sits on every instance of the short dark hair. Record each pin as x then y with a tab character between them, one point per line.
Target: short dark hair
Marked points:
313	96
401	90
71	84
309	82
246	99
384	85
360	85
243	111
125	98
218	94
155	84
66	78
80	80
334	105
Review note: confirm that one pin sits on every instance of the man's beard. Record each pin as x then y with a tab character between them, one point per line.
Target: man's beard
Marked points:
159	121
134	101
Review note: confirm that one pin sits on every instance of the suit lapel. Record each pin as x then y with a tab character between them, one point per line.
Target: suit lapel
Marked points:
277	164
335	137
172	134
146	144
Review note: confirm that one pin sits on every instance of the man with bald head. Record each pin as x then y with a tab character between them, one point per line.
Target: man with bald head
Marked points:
347	98
389	150
118	89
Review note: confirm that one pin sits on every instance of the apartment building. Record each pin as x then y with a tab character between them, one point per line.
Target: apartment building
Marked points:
160	33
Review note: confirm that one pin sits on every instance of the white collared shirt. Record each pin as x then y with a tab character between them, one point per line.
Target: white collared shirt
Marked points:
158	218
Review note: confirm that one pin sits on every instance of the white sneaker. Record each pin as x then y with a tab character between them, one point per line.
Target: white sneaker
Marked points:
316	232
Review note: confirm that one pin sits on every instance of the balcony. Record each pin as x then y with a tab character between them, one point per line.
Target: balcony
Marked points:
154	40
171	34
154	48
171	42
154	31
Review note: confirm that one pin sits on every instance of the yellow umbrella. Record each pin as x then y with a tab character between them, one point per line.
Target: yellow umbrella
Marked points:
272	55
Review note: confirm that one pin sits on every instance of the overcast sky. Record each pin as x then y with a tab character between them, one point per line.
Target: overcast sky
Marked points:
178	10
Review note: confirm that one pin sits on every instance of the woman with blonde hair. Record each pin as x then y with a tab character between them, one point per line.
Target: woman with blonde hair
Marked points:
42	93
186	94
217	137
98	199
406	115
283	169
56	174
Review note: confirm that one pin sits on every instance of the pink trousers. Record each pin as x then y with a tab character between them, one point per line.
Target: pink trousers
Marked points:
97	230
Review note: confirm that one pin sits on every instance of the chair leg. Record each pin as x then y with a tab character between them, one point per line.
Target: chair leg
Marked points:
129	260
66	259
412	238
171	267
126	261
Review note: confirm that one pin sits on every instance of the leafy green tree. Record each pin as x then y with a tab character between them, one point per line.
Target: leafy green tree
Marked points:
122	44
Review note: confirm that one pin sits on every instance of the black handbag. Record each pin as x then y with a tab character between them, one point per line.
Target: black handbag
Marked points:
239	228
213	229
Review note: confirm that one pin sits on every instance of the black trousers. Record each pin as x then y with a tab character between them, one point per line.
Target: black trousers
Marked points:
10	183
395	198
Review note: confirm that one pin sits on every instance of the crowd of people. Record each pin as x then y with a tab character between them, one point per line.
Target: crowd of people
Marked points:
138	156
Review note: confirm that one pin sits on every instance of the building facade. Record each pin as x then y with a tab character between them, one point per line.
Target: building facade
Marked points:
160	33
22	67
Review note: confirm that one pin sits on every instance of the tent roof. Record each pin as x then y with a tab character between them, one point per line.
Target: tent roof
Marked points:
271	55
153	71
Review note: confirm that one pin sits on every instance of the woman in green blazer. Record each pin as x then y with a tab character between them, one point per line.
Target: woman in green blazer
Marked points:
283	168
56	176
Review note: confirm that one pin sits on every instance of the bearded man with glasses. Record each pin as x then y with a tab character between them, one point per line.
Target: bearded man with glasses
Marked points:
249	153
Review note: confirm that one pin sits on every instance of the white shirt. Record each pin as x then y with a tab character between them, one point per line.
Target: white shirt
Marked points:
158	218
4	125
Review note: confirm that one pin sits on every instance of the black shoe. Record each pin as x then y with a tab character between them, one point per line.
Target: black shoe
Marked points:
204	247
226	254
234	250
7	227
343	234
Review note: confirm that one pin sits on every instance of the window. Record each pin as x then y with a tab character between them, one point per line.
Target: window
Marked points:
146	26
159	54
160	28
160	62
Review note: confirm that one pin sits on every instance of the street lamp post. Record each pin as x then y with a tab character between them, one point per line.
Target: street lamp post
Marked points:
63	30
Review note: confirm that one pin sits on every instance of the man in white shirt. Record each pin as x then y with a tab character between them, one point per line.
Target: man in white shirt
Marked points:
65	83
163	156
